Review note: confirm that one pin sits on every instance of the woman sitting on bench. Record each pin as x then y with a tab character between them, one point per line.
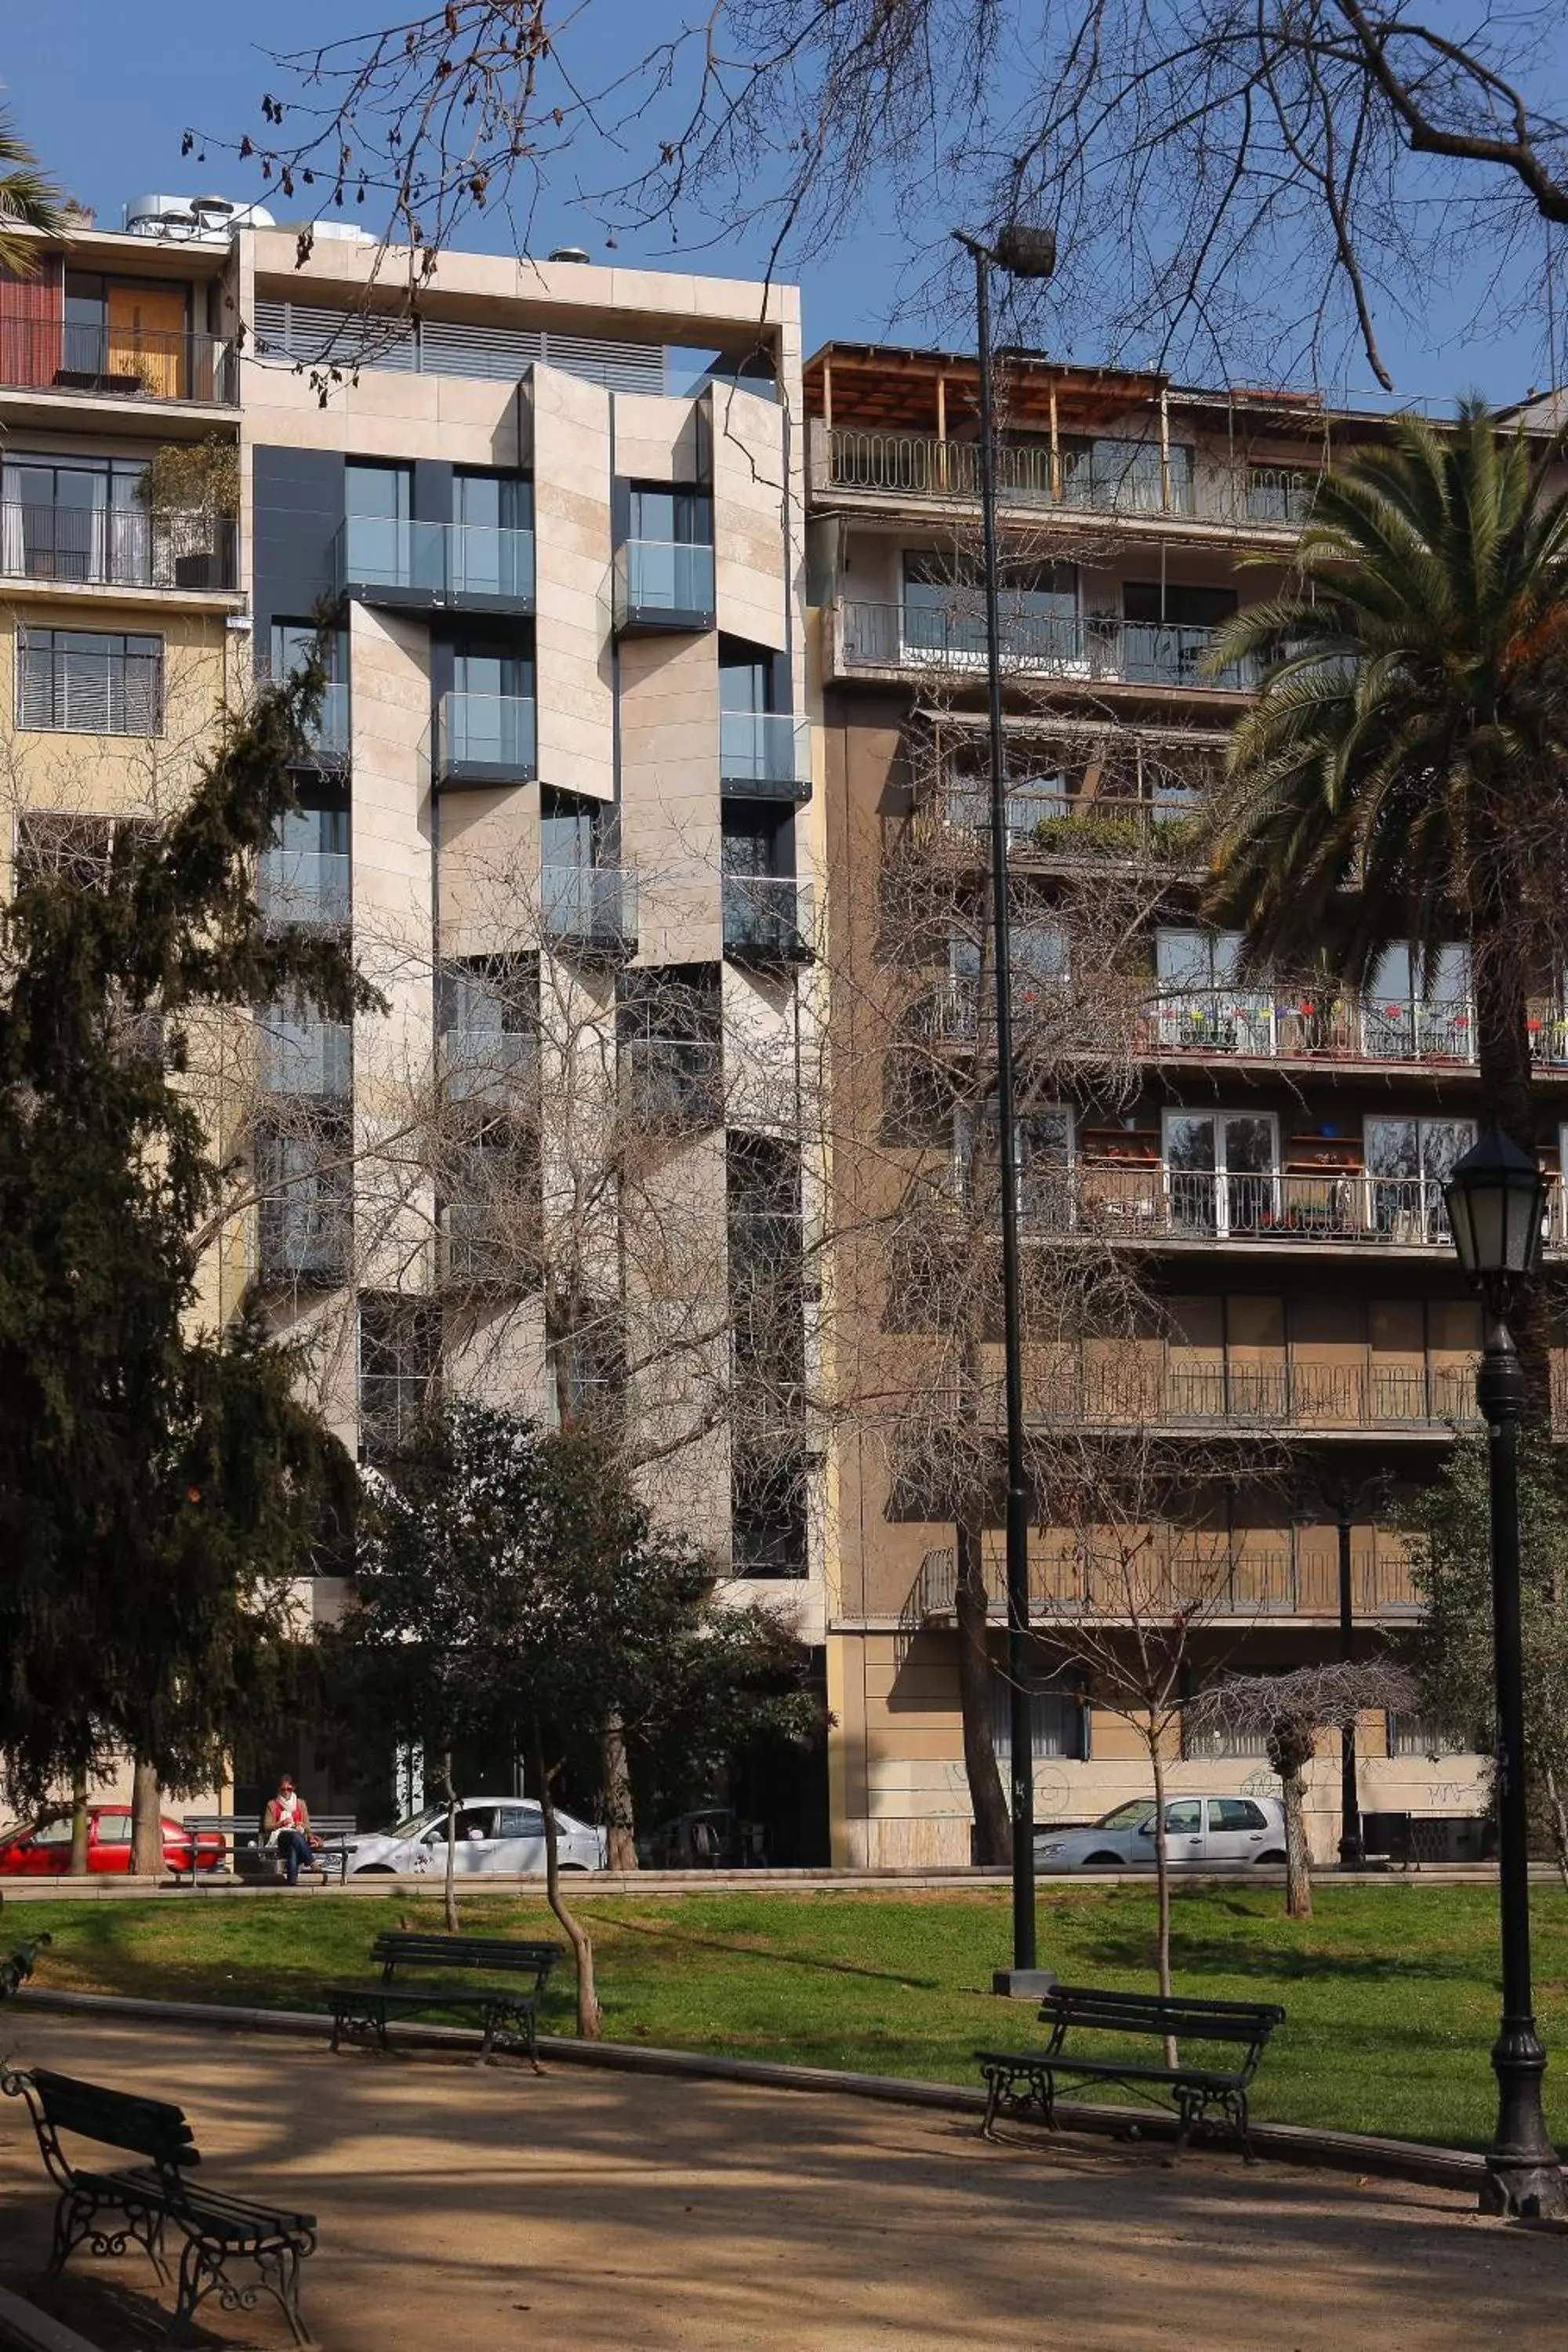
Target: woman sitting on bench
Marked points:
286	1829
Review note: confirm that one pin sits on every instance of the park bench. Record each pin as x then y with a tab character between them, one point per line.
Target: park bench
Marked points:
107	2210
508	2013
1021	2083
255	1867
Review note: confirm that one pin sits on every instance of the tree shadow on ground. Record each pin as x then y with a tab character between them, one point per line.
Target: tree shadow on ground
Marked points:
1214	1956
814	1963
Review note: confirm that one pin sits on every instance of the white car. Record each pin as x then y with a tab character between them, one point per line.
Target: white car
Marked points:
1201	1833
504	1835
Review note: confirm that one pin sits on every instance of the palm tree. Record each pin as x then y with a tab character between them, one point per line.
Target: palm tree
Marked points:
1403	772
28	200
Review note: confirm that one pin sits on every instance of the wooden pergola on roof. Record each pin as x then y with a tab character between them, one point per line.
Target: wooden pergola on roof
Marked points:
884	387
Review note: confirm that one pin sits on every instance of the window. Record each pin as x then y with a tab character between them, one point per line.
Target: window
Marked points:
767	1515
378	493
1058	1720
492	501
57	1832
1200	1006
1221	1171
1184	1817
305	1217
1040	958
1043	1141
292	644
1408	1161
1201	1747
80	847
1171	605
1167	629
301	1053
90	682
1418	1734
944	607
489	666
586	1369
669	516
1124	475
487	1011
399	1369
520	1822
669	1025
767	1284
113	1828
1236	1813
81	519
1407	1016
304	874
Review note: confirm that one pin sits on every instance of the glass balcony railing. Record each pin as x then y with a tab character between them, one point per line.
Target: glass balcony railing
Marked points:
116	547
376	557
663	584
311	888
590	907
304	1241
307	1057
129	363
482	1063
484	739
765	753
766	917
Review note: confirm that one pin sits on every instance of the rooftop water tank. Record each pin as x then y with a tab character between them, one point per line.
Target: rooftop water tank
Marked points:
192	220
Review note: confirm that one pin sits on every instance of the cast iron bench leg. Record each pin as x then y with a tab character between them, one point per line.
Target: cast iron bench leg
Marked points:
204	2272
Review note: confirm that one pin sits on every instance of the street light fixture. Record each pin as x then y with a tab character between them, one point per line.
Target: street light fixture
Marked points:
1022	252
1496	1201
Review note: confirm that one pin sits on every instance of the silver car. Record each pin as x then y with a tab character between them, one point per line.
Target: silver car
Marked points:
1201	1833
502	1835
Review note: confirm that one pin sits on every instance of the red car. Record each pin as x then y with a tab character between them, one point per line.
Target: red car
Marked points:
44	1851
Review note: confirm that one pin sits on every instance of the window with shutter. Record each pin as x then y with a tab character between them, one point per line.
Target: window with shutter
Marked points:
90	682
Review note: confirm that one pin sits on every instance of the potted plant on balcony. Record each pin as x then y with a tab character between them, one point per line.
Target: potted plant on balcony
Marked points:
191	491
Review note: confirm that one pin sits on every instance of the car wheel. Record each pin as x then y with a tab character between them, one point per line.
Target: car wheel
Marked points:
374	1870
581	1868
1103	1862
1275	1855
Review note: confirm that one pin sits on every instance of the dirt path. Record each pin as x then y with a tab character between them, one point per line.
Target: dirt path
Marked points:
482	2210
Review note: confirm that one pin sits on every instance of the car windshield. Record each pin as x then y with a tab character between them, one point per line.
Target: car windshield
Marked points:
417	1821
1130	1816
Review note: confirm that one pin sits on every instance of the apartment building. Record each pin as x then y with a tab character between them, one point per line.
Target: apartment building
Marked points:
547	538
1253	1173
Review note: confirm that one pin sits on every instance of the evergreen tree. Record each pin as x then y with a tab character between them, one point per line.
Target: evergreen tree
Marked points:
158	1480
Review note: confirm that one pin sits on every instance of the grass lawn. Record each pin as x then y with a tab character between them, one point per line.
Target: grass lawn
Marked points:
1391	1990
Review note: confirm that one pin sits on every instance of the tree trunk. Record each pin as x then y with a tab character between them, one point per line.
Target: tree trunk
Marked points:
1298	1857
588	2016
146	1823
1559	1817
450	1882
77	1864
1153	1738
987	1797
620	1820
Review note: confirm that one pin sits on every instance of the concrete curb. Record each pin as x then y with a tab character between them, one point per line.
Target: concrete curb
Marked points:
1387	2160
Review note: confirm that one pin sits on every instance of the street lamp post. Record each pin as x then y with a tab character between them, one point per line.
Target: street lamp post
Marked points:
1496	1201
1344	1503
1023	252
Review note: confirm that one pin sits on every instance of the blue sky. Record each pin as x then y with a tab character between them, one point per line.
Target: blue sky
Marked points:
104	89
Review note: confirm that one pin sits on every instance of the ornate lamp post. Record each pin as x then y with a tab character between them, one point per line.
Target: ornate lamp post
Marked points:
1496	1201
1344	1502
1023	252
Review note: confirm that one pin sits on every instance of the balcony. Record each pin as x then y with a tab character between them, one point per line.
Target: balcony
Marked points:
118	547
492	1066
765	755
661	585
120	362
310	889
767	919
1242	1582
483	740
903	468
672	1086
304	1058
1057	826
323	746
468	566
948	640
304	1243
590	910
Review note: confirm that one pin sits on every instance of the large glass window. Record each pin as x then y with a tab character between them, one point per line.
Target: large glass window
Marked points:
1042	1150
1202	1007
76	518
1124	476
1409	1014
664	513
90	682
492	501
944	608
1408	1161
1058	1720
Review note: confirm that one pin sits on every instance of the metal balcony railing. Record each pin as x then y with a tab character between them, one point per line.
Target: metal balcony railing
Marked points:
1090	648
663	584
1245	1580
590	908
765	753
911	466
116	547
767	917
1284	1394
436	562
128	363
484	739
311	888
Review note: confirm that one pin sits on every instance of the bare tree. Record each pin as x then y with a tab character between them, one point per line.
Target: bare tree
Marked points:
1290	1710
1245	184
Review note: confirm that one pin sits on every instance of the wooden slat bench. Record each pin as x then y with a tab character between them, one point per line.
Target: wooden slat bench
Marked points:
508	2013
137	2203
1027	2083
259	1868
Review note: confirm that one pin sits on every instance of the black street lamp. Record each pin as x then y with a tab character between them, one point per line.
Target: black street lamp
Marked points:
1496	1201
1023	252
